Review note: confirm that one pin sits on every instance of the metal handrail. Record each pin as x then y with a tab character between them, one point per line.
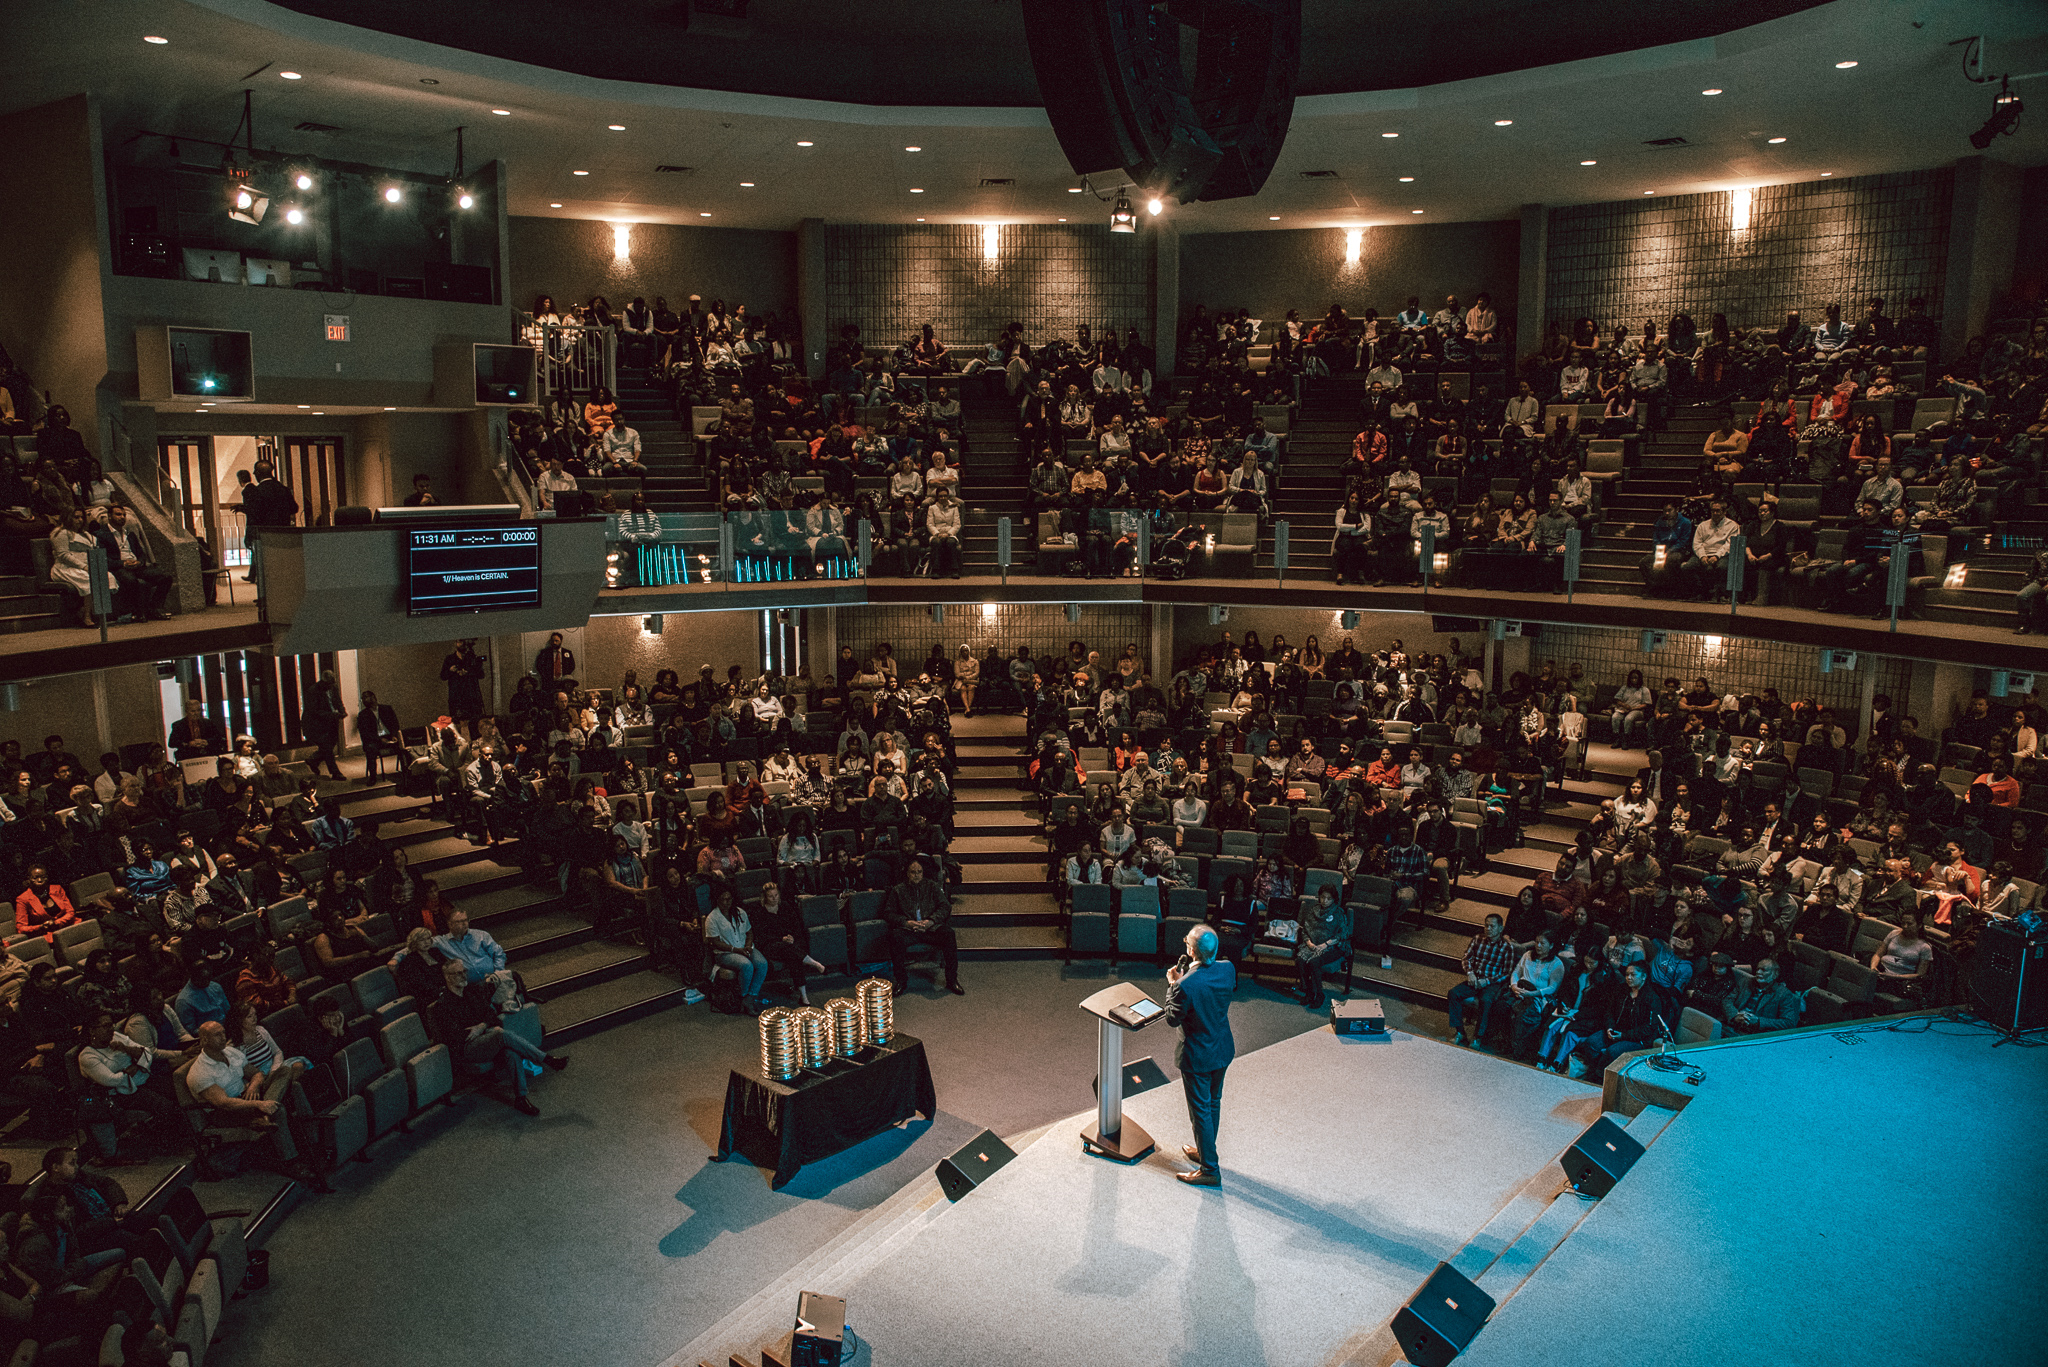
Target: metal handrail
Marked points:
570	358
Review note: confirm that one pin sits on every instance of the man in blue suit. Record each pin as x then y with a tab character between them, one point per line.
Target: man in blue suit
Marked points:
1198	991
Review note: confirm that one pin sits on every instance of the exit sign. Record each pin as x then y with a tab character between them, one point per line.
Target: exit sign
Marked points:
337	327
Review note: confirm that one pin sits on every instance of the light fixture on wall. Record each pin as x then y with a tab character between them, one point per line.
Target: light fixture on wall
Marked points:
622	241
651	624
1121	219
1738	206
938	614
1354	242
989	241
988	612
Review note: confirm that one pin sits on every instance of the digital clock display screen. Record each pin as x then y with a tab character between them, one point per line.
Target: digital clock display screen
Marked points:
471	569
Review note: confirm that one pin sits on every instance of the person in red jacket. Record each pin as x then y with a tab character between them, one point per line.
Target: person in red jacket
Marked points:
43	908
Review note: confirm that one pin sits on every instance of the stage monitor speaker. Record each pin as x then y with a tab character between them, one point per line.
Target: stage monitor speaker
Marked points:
1441	1319
973	1165
1362	1017
820	1331
1140	1075
2009	983
1598	1158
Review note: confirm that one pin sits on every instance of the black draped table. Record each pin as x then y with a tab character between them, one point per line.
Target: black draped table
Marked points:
820	1112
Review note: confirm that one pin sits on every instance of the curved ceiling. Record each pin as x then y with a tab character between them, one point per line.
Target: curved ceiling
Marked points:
1461	150
972	52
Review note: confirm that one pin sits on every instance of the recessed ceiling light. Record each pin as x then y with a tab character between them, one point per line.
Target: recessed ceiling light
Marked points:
802	143
1589	163
746	185
502	113
1062	220
704	214
1390	135
616	127
152	38
1272	218
1415	211
428	80
579	173
1843	66
556	205
389	409
1714	90
319	412
1649	192
1502	123
920	220
1827	173
290	75
913	149
1774	140
305	405
916	191
1073	189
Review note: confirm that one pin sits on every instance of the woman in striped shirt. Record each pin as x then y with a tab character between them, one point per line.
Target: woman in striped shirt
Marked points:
256	1044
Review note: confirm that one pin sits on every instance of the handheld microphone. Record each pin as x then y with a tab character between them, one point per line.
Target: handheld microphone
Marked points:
1183	965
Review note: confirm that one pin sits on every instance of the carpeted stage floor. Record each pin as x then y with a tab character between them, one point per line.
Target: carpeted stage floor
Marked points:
1351	1168
1832	1200
602	1232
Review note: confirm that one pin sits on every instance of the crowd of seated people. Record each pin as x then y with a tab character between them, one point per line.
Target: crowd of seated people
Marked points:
56	493
1754	850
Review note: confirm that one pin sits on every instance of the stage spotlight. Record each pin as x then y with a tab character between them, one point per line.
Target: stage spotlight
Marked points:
1121	219
246	204
1153	206
295	215
464	199
2005	117
392	194
303	180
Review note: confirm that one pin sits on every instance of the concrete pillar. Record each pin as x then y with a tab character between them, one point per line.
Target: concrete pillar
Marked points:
810	294
1983	236
1532	297
1165	299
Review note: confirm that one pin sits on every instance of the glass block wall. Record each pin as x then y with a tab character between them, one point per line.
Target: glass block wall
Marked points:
1732	664
910	631
891	279
1807	245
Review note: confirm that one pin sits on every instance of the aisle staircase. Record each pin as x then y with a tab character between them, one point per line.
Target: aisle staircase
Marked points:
1004	907
583	982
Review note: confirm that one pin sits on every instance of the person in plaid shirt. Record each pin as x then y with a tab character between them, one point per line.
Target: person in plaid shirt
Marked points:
1488	961
1408	866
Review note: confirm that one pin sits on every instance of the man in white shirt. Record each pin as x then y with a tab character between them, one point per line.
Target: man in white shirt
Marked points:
1710	542
1652	384
1881	488
1406	484
222	1078
1134	779
1833	334
1386	375
620	448
1116	834
1575	491
555	481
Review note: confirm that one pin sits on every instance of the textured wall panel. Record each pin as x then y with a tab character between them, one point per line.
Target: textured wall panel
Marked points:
1828	241
1736	665
1044	627
891	279
1272	272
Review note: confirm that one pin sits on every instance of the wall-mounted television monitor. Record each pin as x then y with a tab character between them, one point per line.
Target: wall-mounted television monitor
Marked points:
214	364
471	569
504	375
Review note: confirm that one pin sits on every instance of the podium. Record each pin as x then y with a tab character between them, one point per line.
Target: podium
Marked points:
1119	1010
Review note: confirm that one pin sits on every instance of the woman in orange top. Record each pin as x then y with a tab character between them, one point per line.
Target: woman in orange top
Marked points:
601	412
